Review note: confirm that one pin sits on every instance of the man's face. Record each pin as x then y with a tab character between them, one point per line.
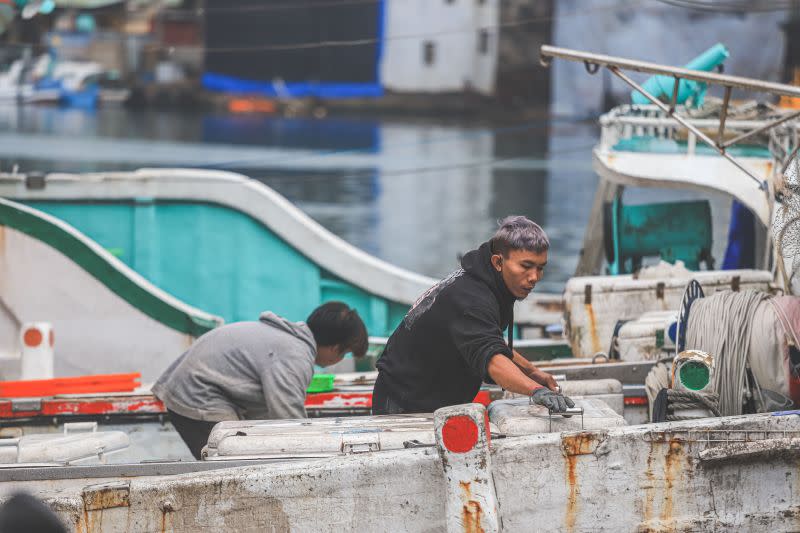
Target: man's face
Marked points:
329	355
521	270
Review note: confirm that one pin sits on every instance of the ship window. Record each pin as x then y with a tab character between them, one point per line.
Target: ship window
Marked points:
428	52
483	42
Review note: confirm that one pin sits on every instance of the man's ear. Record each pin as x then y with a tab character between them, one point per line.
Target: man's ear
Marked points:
497	262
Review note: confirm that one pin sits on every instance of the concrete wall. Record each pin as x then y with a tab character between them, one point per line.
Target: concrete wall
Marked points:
453	28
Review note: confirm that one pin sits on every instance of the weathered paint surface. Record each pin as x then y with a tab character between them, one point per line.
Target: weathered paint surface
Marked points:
462	437
591	324
138	404
660	477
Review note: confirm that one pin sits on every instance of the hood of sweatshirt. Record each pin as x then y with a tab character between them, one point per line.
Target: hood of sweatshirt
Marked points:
478	263
296	329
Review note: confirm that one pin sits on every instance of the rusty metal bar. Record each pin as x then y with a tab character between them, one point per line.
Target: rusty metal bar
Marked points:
765	127
674	100
547	52
723	115
683	122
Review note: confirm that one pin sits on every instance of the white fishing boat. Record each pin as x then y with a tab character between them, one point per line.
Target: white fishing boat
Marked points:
512	466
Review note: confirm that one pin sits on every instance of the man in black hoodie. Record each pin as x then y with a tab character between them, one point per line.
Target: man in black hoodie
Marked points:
452	338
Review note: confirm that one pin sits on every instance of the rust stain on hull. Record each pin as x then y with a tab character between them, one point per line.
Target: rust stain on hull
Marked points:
671	472
471	512
592	328
573	445
583	443
571	515
649	489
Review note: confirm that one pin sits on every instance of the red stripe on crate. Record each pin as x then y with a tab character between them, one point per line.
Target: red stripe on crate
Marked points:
636	400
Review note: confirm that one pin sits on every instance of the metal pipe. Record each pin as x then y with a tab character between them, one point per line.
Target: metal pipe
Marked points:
547	52
674	99
615	70
723	115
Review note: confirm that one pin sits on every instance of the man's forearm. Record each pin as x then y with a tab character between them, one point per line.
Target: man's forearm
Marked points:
530	370
509	375
526	366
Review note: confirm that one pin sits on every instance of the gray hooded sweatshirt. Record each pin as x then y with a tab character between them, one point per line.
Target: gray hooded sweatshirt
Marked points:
244	370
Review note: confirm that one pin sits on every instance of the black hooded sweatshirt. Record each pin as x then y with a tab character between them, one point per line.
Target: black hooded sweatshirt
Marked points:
439	354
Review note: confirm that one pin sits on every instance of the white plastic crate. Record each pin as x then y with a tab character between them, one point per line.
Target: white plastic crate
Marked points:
594	304
519	417
649	337
323	437
609	391
82	448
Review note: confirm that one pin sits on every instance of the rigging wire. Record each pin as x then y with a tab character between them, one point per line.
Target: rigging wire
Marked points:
373	40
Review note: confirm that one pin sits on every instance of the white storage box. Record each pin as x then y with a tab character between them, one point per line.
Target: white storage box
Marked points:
518	417
608	391
594	304
322	437
83	448
649	337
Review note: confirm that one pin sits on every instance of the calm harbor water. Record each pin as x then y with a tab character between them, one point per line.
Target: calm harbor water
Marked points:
417	193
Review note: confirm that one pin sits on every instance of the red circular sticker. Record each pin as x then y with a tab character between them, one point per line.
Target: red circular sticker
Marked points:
459	434
32	337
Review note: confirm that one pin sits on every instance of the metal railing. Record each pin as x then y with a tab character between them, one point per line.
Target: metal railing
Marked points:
630	121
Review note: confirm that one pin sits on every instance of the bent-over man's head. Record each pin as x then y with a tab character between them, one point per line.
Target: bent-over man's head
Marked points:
519	254
337	330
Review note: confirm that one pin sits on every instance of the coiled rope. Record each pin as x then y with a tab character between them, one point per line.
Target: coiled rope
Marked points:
685	400
658	391
721	325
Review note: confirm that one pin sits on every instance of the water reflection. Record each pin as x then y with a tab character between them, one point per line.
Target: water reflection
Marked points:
415	193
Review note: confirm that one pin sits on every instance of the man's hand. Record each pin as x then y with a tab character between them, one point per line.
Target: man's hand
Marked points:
554	401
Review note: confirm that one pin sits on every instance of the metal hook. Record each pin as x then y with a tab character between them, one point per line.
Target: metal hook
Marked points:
545	61
590	67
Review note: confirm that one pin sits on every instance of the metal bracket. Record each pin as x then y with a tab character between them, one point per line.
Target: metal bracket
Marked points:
26	405
360	444
80	427
568	414
106	495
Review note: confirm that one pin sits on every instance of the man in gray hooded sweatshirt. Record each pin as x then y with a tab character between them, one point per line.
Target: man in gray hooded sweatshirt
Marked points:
255	370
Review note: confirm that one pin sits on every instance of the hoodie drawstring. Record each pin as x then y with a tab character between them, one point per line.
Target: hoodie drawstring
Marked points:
511	331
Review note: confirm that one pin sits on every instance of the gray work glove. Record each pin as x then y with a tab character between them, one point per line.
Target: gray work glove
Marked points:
554	401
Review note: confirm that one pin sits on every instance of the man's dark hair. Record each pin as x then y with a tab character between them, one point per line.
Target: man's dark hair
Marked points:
335	323
519	233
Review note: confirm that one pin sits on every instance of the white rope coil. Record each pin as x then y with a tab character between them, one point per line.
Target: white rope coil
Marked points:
721	325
